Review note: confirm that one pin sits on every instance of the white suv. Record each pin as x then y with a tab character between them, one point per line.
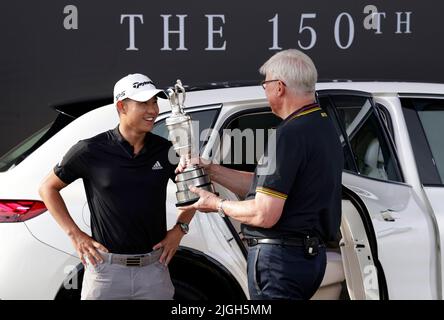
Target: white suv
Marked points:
392	215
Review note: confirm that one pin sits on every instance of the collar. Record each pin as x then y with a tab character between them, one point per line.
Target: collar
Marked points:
309	108
120	139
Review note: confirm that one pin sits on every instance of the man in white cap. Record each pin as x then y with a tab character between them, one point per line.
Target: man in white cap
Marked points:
125	172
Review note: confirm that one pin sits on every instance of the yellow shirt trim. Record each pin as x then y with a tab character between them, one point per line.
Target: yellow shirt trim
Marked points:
305	112
272	193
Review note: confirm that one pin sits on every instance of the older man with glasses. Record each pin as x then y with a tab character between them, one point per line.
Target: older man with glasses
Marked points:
291	210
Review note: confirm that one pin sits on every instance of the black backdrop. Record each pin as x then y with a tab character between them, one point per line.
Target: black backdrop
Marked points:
43	63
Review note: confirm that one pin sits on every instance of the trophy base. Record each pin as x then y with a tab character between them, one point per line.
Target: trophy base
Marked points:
196	177
192	197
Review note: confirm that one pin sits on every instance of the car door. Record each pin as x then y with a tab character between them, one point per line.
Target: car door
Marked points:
404	253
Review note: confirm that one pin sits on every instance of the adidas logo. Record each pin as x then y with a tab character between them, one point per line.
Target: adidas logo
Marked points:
157	166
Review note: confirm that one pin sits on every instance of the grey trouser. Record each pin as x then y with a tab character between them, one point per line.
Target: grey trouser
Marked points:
111	281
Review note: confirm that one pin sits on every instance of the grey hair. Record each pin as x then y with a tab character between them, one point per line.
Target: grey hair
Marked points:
294	68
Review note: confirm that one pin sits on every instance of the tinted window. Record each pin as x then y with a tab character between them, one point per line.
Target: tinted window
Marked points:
29	145
371	152
349	163
249	137
425	119
432	121
66	113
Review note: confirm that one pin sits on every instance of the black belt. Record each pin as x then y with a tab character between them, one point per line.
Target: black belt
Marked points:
284	242
294	242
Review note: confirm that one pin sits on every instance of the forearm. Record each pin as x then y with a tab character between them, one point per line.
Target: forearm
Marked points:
57	208
186	216
247	212
236	181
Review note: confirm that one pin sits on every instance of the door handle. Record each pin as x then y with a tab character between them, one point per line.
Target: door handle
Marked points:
387	215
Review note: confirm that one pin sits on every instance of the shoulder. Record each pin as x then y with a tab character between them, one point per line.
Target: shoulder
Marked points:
307	124
102	138
84	146
292	131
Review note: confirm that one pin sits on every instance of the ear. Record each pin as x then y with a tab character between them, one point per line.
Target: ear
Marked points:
121	107
281	90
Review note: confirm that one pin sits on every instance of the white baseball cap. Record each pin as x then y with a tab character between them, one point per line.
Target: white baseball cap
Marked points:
137	87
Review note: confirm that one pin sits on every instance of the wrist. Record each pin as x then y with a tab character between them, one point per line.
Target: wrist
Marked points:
220	208
73	232
182	227
211	169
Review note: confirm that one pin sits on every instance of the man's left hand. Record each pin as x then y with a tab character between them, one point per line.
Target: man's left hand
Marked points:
207	202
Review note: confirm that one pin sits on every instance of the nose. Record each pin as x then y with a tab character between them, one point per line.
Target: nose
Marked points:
152	108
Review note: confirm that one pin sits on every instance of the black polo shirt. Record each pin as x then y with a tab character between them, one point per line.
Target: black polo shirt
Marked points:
126	193
308	169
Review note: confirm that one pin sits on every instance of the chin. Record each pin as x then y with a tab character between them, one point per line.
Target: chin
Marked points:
148	128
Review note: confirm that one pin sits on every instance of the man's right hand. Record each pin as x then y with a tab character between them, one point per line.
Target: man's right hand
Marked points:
87	247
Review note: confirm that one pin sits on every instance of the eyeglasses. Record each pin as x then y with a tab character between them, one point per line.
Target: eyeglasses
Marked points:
267	81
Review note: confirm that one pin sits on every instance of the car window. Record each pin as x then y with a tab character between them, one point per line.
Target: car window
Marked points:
66	113
386	119
20	152
247	139
349	163
204	119
432	121
13	157
425	118
371	152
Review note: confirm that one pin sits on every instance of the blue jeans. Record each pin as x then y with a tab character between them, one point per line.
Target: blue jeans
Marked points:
283	272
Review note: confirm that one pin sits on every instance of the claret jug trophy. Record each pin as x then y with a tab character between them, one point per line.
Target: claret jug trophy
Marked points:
179	125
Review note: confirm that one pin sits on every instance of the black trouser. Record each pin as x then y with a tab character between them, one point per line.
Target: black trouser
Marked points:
284	272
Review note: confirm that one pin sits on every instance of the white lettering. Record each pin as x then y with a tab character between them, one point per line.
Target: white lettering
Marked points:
211	32
132	31
167	32
275	22
373	20
351	30
310	29
405	22
185	310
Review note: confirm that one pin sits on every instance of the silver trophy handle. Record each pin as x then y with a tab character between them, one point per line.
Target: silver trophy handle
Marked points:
172	96
176	96
180	93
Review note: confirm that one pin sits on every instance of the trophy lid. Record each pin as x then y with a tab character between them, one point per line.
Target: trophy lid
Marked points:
176	96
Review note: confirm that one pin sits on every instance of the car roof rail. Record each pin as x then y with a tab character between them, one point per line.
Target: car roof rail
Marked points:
77	107
220	85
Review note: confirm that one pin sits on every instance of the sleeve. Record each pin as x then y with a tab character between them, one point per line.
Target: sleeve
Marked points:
286	155
72	165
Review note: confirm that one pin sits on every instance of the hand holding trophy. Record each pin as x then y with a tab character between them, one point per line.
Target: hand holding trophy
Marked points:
181	135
